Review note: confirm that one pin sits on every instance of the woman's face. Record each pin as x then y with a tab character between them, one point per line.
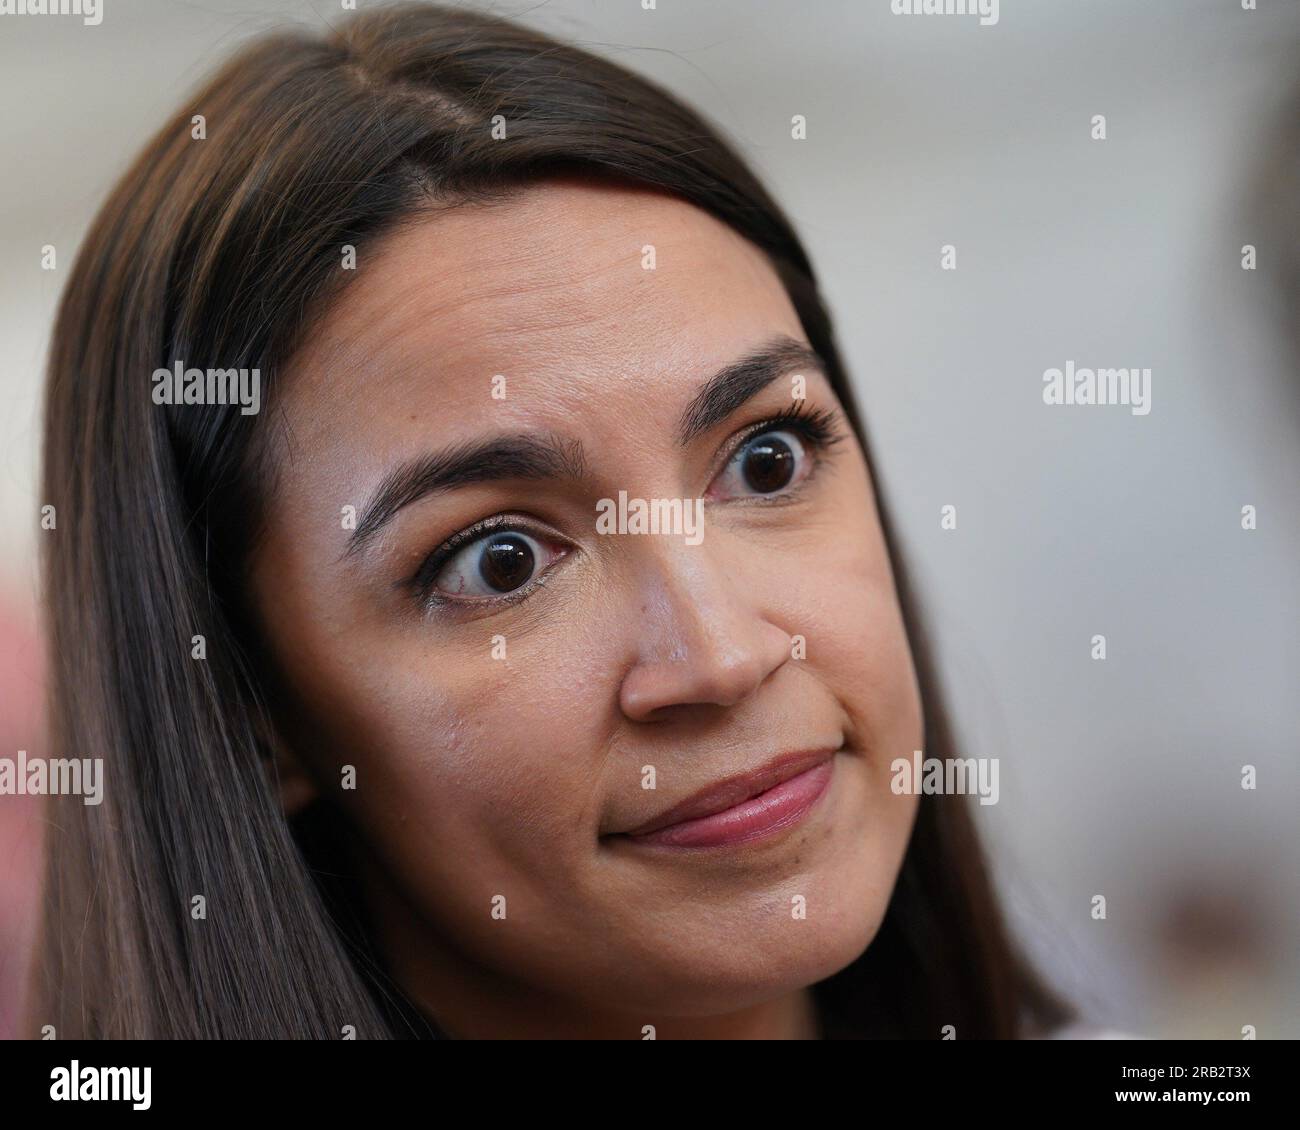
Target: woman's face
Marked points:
506	701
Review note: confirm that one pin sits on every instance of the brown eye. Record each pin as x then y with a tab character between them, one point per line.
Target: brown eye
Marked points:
497	563
766	464
506	562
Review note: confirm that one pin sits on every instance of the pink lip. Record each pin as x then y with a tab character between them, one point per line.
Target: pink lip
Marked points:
776	797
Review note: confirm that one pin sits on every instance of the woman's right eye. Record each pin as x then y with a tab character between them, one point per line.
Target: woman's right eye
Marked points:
498	563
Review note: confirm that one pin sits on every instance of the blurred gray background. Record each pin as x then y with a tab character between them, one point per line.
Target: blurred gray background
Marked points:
1119	778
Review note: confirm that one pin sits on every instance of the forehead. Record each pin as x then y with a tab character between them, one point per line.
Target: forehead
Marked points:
586	297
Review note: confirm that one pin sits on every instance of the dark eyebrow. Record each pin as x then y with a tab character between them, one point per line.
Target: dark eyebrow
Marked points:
501	457
548	456
727	390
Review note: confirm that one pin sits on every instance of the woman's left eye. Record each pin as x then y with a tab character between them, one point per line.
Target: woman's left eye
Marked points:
766	463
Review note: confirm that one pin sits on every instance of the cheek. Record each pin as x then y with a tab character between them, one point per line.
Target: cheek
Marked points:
467	765
844	603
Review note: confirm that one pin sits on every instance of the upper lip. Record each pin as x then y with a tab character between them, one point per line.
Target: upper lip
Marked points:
732	791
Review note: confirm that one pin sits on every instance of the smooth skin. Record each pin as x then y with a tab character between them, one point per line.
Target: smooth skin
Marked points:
487	778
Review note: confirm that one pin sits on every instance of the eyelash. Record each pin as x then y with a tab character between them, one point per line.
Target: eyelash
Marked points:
817	427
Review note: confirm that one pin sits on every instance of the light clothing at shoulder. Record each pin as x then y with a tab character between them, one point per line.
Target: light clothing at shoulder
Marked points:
1080	1030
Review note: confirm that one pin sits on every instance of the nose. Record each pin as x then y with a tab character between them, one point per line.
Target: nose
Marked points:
702	639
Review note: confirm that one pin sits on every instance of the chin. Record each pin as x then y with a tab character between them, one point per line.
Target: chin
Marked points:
726	973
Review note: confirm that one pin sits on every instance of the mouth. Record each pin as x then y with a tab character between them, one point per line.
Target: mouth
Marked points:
743	809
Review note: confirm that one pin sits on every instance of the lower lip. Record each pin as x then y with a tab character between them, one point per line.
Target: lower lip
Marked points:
756	818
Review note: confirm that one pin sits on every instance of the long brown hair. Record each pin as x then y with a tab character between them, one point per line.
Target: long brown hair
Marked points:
222	247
